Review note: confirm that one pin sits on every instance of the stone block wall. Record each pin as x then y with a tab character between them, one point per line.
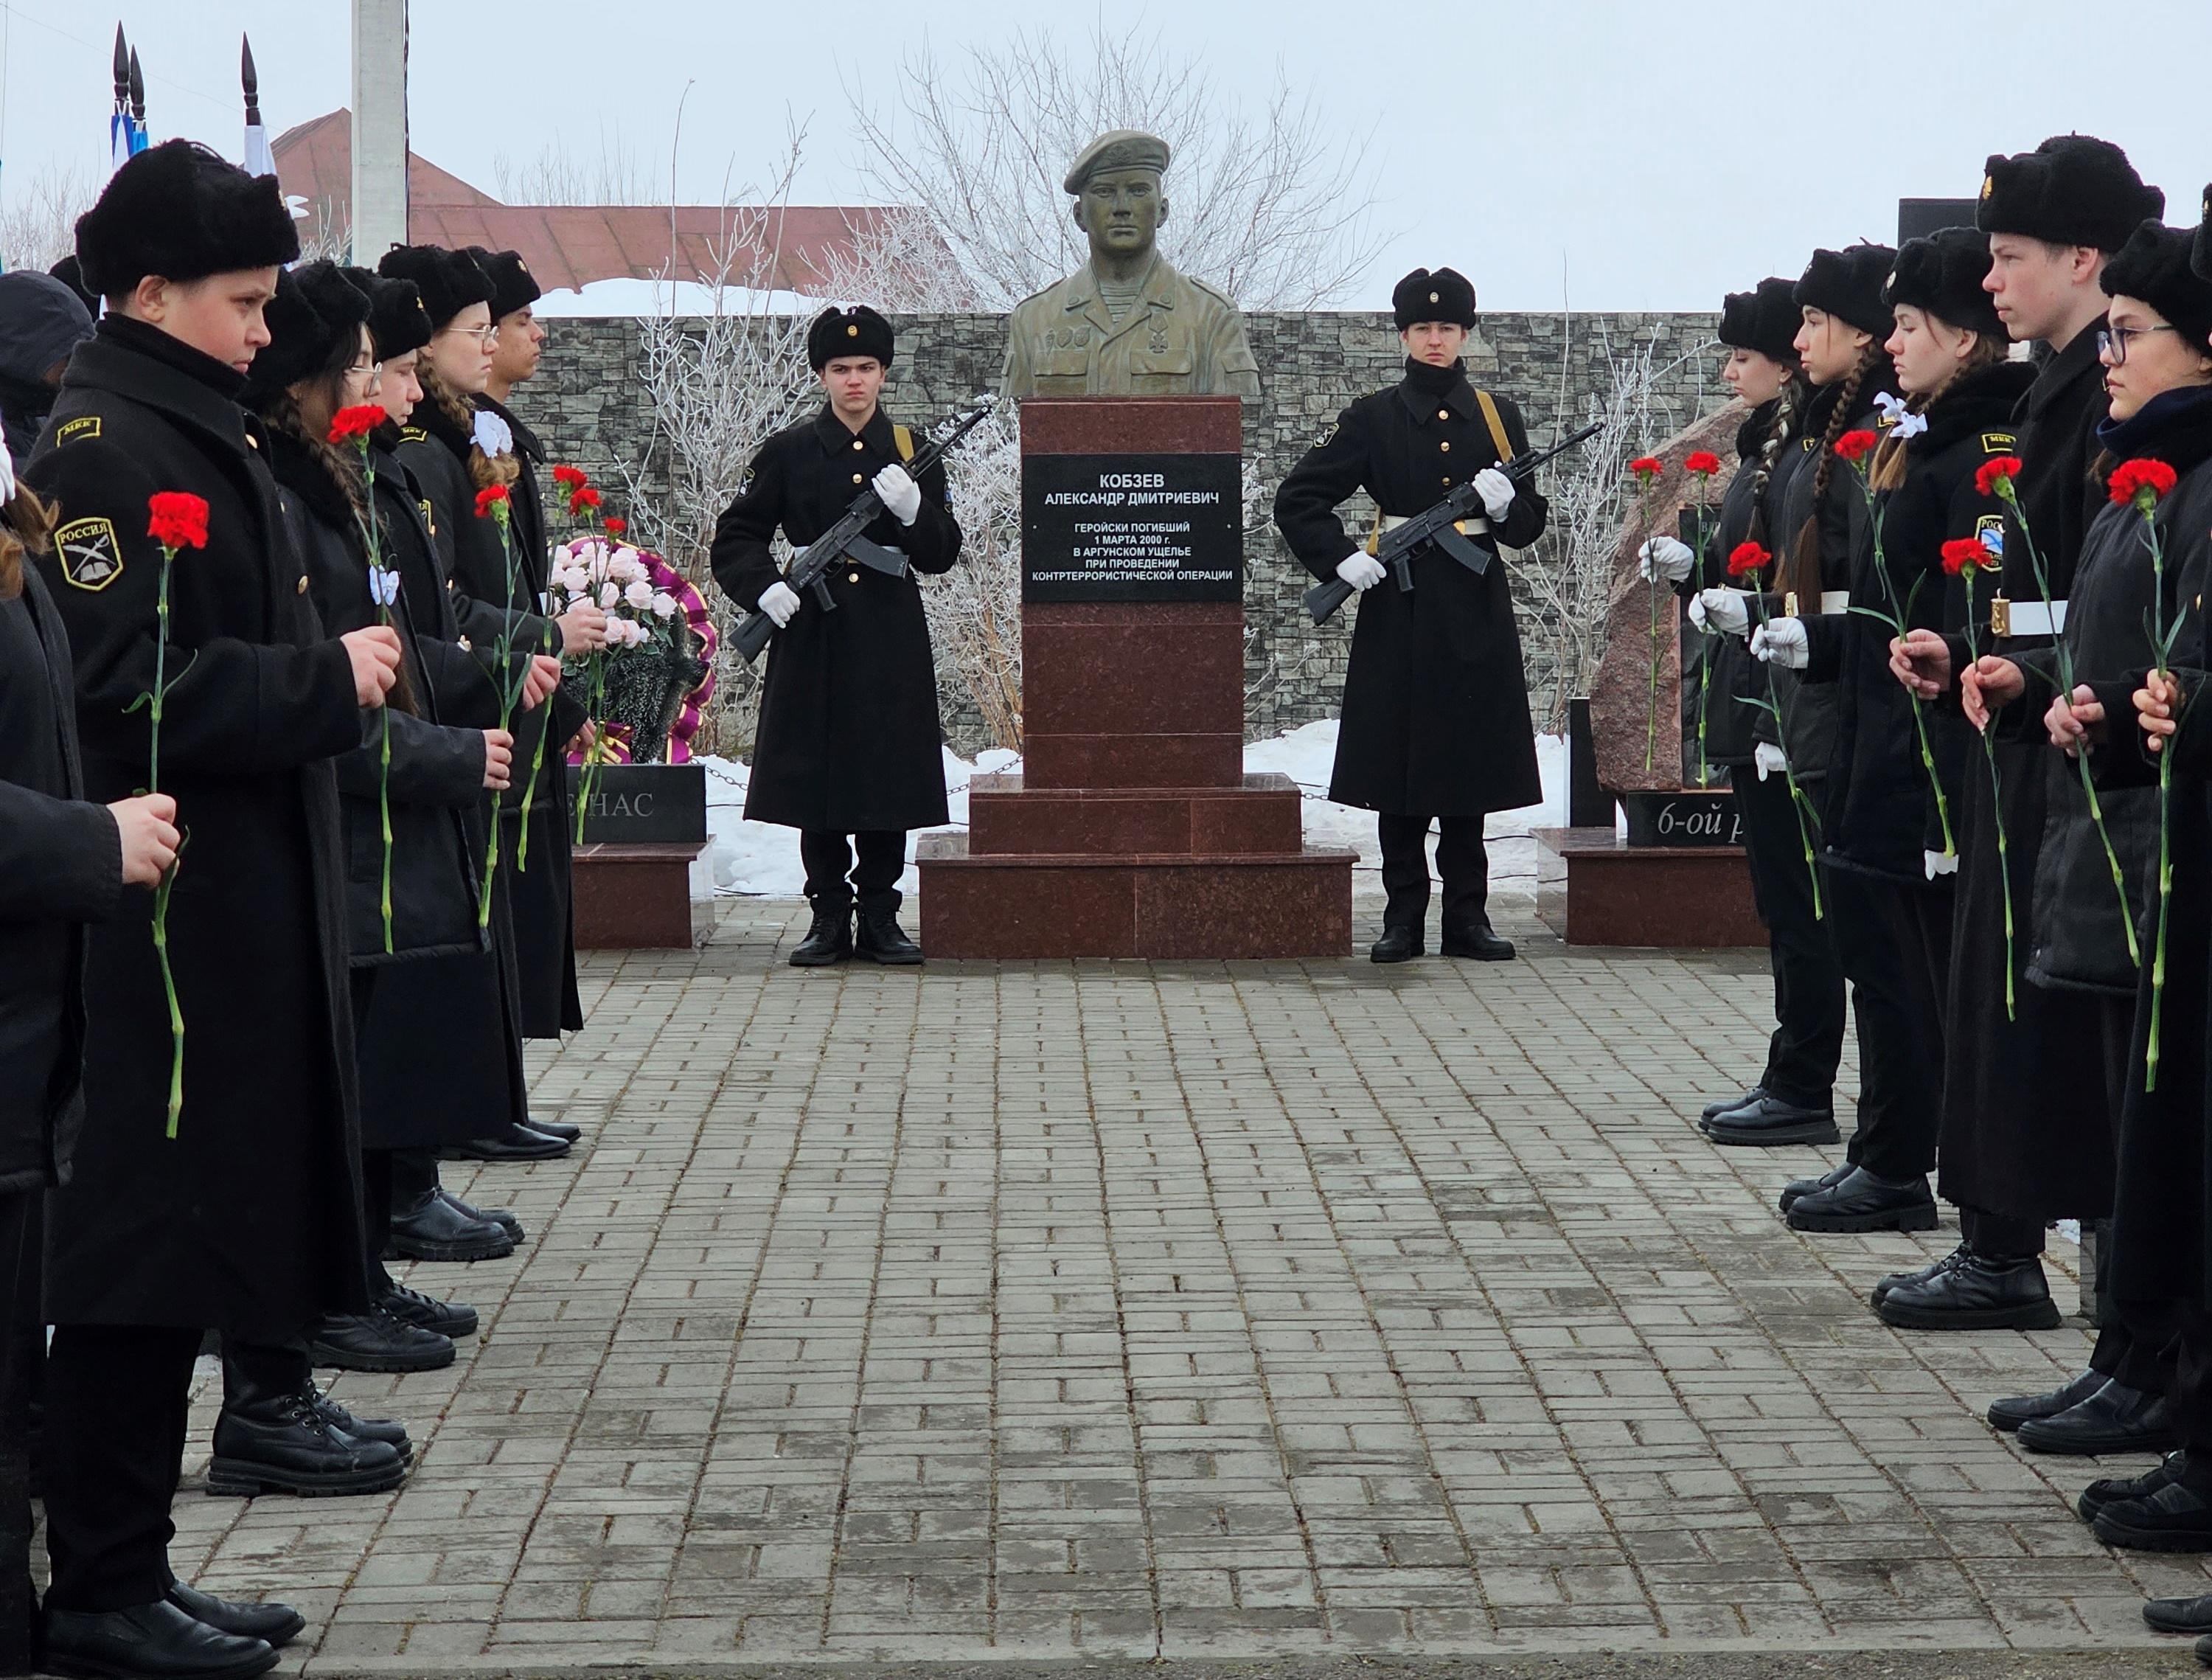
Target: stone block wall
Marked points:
590	404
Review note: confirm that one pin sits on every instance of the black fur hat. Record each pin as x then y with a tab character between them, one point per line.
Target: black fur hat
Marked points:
858	331
2071	190
71	273
2200	254
1848	284
1943	274
397	319
2153	266
1764	319
512	285
1445	294
178	210
449	281
315	318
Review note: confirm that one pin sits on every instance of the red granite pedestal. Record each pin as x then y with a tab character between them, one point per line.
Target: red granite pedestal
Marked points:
1593	888
1133	831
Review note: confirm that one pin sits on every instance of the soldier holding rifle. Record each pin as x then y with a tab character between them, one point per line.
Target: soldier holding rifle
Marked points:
1436	711
850	751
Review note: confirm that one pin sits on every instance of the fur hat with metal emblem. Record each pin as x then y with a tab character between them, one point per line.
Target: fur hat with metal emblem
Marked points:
2154	267
449	281
1943	274
512	285
397	319
2073	189
1442	294
858	331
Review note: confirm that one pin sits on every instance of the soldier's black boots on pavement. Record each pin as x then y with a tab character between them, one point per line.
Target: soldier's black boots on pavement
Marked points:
1400	942
560	1128
1971	1290
1477	940
1927	1274
2175	1519
498	1216
2099	1494
879	938
1797	1189
434	1226
829	939
515	1142
2115	1419
377	1340
2009	1414
1861	1201
1722	1105
285	1443
2179	1615
1765	1121
156	1641
449	1318
273	1625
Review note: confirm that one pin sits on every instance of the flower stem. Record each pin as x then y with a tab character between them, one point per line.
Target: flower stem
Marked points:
2165	901
1935	782
2004	864
169	990
1651	730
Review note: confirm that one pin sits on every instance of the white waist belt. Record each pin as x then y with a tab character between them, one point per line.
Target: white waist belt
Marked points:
1467	527
2033	618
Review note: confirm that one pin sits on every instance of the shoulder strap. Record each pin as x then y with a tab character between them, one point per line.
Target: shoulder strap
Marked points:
1491	418
904	439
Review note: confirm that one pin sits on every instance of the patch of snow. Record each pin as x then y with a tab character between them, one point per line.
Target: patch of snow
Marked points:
760	860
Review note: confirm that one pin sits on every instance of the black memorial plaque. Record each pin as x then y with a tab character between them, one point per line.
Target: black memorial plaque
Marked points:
1133	528
643	804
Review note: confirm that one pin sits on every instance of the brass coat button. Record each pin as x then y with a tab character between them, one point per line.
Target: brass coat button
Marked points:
856	477
852	578
1443	414
856	443
303	588
1445	446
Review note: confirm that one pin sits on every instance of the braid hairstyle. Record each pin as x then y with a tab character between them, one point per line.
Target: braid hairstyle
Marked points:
1794	395
26	526
1805	552
1886	471
483	473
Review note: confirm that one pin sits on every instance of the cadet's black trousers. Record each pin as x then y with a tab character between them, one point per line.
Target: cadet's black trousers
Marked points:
1808	1040
23	1345
829	860
1894	944
1461	861
117	1400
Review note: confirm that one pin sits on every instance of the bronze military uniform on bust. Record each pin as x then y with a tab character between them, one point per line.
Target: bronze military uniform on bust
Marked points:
1126	324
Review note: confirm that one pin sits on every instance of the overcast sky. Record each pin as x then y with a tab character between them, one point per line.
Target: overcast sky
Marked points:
1655	155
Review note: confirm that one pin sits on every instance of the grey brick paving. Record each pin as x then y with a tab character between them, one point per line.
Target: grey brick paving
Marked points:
1182	1312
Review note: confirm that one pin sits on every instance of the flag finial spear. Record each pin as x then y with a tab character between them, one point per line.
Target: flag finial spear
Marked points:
122	71
248	80
137	90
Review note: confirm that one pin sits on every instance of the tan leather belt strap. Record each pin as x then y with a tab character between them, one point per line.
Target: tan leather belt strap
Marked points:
1496	421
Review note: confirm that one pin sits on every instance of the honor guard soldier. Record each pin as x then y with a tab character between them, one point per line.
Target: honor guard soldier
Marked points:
849	743
1436	709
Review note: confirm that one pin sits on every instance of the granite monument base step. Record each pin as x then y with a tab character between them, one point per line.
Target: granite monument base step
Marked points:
638	897
1261	817
1593	888
1186	904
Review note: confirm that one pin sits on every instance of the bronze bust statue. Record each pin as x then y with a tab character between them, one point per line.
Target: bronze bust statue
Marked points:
1126	324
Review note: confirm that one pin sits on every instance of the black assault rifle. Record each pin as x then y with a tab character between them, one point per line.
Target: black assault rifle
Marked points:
1440	525
843	539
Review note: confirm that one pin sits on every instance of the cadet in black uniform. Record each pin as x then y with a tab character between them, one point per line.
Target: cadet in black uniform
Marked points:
849	741
1436	709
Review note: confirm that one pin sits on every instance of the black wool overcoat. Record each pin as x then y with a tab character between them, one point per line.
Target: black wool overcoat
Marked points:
849	738
249	1220
1436	703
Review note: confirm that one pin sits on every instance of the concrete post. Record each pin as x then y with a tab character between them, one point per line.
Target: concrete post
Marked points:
379	128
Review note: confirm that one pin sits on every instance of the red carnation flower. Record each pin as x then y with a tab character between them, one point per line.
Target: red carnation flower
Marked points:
1747	559
2141	481
353	425
1645	467
490	498
1965	554
179	520
1705	463
615	527
572	477
1994	477
581	497
1851	446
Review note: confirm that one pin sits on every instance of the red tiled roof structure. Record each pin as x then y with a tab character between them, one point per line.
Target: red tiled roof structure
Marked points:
572	244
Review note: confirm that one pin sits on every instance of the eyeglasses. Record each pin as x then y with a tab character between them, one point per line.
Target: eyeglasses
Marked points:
367	364
2112	343
484	335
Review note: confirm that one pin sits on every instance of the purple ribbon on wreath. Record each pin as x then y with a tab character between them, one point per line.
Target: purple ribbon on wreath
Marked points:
692	606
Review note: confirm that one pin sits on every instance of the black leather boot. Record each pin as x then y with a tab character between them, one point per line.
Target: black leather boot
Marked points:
2175	1519
1926	1273
509	1143
468	1210
1797	1187
829	938
448	1318
284	1444
433	1228
393	1435
1400	942
2179	1615
1476	941
2115	1419
2098	1495
156	1641
377	1340
1861	1201
273	1625
879	938
2009	1414
1766	1122
1726	1103
560	1128
1978	1293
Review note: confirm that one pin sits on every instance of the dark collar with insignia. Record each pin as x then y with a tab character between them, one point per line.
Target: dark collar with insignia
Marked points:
130	359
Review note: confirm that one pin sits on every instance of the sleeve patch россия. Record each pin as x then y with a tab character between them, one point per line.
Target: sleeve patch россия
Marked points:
91	558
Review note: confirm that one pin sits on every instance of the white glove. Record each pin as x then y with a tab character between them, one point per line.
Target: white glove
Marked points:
899	493
1770	759
1662	558
1496	490
781	602
1723	610
1362	571
1782	642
